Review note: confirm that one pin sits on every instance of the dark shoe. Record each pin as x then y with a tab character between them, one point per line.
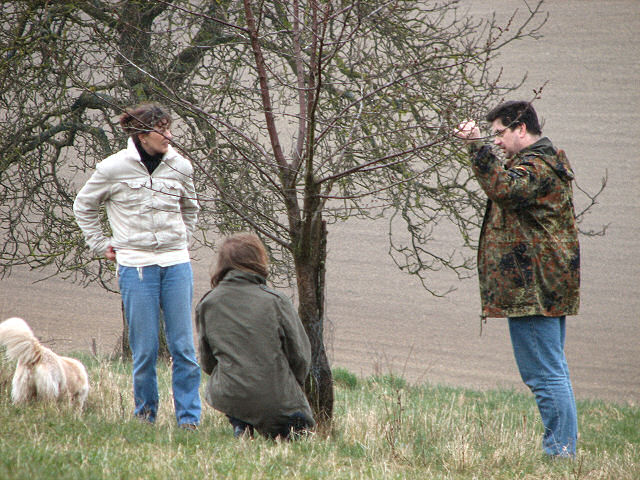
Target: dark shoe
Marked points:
192	427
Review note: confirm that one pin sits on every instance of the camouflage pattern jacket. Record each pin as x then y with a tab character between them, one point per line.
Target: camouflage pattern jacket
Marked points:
528	254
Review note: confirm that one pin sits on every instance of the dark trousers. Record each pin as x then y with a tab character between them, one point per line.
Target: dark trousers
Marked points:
294	424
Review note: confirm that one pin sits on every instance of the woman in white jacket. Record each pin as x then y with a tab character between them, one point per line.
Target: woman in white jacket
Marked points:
147	190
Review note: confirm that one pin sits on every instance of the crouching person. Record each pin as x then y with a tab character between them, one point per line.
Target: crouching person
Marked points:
253	345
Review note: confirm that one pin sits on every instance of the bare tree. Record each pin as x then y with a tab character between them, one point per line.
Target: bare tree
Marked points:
295	113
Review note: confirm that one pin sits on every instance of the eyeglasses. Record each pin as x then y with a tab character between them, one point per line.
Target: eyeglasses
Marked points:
500	133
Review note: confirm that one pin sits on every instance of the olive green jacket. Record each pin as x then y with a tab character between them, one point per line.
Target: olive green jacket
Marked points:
253	344
528	253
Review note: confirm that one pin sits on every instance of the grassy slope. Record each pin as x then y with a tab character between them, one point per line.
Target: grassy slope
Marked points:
383	428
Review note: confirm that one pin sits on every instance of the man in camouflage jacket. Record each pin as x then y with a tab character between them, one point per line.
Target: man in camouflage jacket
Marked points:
529	257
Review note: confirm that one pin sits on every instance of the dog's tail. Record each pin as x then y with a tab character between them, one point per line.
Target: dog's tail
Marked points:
21	344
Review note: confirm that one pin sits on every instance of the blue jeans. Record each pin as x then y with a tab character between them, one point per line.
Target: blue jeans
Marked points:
145	291
538	346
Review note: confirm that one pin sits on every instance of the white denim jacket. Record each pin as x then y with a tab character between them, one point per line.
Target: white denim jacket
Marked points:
155	213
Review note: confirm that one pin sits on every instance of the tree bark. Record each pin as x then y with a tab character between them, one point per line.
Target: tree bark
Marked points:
310	269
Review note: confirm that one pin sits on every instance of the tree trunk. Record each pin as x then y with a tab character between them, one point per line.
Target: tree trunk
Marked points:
163	349
126	347
310	269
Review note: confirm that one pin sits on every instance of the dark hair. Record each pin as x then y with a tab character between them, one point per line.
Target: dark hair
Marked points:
241	251
144	118
514	113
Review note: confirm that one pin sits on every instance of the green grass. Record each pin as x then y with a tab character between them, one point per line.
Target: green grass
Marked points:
383	428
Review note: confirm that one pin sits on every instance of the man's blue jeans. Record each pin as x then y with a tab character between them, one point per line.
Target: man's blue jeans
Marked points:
146	290
538	346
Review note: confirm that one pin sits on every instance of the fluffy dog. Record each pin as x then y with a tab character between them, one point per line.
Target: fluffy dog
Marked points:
40	373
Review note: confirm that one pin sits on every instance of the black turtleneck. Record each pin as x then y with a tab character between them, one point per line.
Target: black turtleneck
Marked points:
150	161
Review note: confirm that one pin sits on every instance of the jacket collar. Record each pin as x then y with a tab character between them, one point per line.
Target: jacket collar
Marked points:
242	276
133	153
542	146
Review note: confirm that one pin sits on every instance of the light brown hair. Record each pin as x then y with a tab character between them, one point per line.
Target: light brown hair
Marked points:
241	251
144	118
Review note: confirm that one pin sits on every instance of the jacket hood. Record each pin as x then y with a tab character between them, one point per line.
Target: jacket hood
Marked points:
556	159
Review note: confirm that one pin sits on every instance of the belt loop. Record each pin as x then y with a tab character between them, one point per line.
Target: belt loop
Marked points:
140	273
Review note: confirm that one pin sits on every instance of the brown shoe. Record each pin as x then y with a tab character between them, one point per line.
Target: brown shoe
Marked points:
192	427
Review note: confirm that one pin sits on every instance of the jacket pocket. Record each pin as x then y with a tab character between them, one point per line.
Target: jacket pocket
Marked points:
515	277
170	230
166	195
130	192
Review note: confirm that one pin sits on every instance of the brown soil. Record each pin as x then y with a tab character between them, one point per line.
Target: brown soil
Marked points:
381	320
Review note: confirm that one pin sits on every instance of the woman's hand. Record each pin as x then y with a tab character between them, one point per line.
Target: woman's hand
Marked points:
110	253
